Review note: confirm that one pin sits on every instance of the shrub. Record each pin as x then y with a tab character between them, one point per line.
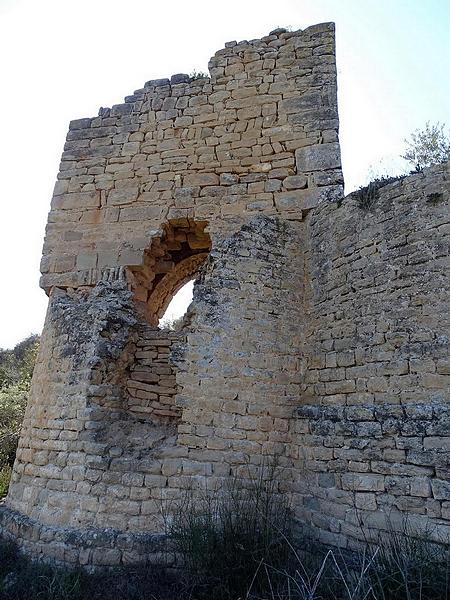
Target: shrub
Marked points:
16	366
13	401
5	476
175	324
428	146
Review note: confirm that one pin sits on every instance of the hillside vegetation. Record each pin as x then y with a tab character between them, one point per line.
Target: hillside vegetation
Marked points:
16	369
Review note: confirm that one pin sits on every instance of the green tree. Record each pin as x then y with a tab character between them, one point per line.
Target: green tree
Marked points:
428	146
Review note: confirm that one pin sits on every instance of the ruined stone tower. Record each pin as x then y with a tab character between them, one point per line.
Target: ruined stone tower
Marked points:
319	331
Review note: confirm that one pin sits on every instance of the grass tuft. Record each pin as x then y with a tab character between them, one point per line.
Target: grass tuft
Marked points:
367	196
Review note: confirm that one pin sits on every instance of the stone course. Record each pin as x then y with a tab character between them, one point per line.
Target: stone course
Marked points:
318	333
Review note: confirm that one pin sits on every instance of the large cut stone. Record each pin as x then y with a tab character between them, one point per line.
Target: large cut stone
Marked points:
318	158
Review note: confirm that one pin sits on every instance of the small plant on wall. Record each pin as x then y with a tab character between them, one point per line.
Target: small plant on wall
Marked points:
198	75
367	196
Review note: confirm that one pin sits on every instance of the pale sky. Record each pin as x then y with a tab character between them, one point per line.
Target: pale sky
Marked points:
63	59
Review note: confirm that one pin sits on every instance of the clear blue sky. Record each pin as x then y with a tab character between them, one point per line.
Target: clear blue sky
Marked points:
62	59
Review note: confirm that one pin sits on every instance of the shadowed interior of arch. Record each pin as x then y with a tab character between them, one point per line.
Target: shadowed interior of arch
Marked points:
173	260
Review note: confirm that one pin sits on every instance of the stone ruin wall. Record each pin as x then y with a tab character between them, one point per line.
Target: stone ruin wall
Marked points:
372	435
318	333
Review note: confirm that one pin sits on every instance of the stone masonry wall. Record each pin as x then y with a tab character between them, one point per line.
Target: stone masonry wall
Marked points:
76	393
87	467
145	191
369	469
373	432
379	300
259	135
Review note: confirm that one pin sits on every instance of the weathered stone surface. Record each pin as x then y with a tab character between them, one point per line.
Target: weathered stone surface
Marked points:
295	182
394	430
179	78
201	179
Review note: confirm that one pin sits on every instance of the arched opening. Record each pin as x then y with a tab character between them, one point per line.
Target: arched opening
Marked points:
172	260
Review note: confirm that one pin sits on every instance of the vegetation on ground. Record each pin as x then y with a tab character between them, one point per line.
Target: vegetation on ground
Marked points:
237	543
229	537
22	579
